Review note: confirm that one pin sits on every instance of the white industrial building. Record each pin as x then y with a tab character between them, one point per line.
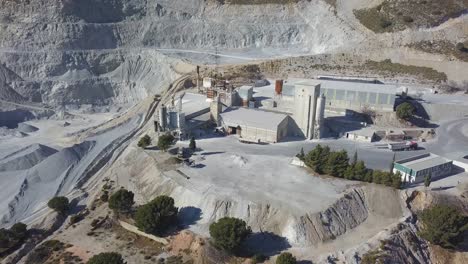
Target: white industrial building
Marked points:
414	169
255	125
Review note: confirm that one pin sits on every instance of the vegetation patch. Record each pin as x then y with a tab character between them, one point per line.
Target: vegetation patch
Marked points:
397	15
13	238
458	50
52	251
337	164
443	225
387	66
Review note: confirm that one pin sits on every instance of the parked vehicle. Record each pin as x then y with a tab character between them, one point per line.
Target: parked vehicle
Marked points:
401	146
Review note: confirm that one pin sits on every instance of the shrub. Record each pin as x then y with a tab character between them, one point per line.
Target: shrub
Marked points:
13	237
443	225
317	158
286	258
121	201
60	204
106	258
228	233
461	47
105	196
144	142
164	141
156	216
405	111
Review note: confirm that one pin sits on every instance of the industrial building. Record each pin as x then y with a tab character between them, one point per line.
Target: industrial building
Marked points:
255	125
352	95
363	135
413	170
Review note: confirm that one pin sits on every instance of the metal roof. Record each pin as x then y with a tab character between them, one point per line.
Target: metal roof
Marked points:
424	163
252	118
348	85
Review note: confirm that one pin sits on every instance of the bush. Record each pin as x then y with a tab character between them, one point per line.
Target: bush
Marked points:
13	237
144	142
316	159
105	196
443	225
60	204
286	258
156	216
405	111
164	141
121	201
106	258
228	233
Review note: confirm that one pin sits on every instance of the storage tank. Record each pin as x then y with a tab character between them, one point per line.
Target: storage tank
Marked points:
320	114
279	87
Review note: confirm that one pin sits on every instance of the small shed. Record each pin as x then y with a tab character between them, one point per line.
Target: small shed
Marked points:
363	135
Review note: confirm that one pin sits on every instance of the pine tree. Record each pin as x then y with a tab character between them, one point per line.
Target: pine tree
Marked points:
193	144
393	163
355	158
301	154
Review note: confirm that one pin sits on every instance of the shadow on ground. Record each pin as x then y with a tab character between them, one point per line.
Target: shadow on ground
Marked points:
266	243
189	216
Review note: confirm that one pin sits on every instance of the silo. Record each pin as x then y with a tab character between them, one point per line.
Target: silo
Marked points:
163	117
320	117
279	87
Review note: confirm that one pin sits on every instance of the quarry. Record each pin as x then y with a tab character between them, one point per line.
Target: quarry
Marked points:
246	91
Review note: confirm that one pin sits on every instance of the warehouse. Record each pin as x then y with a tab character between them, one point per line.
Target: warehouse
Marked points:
358	95
414	169
255	125
352	95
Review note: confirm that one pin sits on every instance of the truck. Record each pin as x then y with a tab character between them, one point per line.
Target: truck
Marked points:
400	146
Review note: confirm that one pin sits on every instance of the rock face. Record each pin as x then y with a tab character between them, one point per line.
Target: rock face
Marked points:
107	51
199	208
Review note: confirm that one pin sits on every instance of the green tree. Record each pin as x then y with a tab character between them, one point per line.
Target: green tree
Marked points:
337	163
286	258
144	142
443	225
106	258
228	233
355	158
316	158
121	201
427	180
156	216
359	170
405	111
19	230
60	204
164	141
192	144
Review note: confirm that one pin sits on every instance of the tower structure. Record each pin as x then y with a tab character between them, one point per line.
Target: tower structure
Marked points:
305	106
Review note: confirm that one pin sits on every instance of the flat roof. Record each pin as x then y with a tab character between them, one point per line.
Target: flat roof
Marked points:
348	85
192	103
251	117
427	162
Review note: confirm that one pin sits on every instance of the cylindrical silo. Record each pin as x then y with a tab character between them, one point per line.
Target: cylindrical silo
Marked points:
320	117
279	87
